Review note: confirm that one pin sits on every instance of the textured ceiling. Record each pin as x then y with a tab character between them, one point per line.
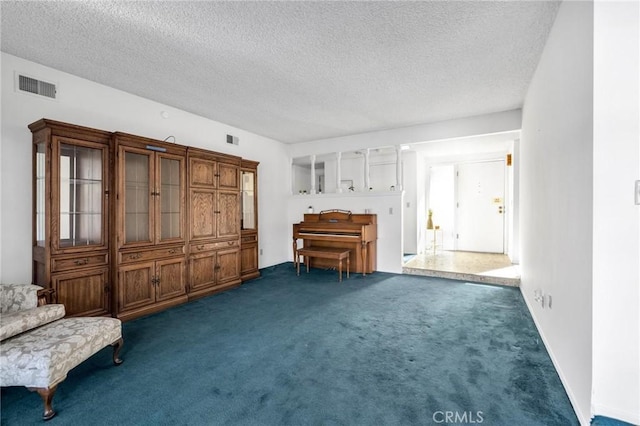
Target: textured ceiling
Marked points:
295	71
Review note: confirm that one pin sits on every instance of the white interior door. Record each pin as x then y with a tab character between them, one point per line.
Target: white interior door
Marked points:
480	207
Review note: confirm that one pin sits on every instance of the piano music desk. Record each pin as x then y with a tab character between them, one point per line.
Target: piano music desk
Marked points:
336	253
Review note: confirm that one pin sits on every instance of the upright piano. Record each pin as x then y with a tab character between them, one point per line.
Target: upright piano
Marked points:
340	228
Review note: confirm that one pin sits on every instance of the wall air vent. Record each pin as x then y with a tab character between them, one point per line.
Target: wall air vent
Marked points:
233	140
38	87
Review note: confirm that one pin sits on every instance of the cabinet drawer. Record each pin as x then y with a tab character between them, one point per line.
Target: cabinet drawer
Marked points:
144	255
198	248
66	263
249	238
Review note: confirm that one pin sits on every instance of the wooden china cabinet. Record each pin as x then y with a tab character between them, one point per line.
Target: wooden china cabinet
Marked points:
149	216
249	220
214	222
126	226
71	200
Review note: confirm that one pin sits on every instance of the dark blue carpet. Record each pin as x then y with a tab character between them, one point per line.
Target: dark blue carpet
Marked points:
607	421
386	349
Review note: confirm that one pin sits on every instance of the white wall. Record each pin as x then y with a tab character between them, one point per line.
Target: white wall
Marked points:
411	210
387	206
422	183
616	220
89	104
471	126
513	208
556	203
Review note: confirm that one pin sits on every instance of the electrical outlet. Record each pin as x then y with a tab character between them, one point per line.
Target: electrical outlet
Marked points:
538	296
637	193
549	301
390	210
260	252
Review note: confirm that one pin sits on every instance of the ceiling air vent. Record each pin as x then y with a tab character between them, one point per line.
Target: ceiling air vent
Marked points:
38	87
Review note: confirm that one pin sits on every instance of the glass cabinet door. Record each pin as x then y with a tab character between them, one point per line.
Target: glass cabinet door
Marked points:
40	197
170	198
81	192
137	189
248	200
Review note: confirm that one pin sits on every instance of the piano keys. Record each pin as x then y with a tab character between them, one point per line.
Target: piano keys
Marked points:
343	229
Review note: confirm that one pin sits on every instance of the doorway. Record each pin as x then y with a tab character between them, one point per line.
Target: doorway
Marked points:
480	208
467	241
488	165
467	206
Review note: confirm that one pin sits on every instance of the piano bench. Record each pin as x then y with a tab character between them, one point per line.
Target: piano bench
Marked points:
336	253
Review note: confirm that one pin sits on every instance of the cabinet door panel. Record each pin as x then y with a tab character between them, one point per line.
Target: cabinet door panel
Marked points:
135	286
80	176
202	172
228	264
229	177
229	214
171	275
249	258
202	272
203	207
136	201
170	197
249	201
83	293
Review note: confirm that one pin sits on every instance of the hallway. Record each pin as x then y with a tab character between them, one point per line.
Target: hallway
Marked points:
490	268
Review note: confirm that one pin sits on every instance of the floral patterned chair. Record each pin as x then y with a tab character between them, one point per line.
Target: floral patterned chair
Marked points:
38	346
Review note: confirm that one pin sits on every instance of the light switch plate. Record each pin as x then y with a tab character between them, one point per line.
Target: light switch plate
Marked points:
637	193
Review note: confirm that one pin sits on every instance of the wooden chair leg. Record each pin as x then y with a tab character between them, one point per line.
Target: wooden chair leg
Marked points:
117	345
47	398
47	393
340	269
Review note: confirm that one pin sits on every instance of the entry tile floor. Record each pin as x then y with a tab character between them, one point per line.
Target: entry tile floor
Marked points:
487	268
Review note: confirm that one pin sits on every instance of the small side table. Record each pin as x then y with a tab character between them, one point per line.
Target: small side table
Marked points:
436	229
